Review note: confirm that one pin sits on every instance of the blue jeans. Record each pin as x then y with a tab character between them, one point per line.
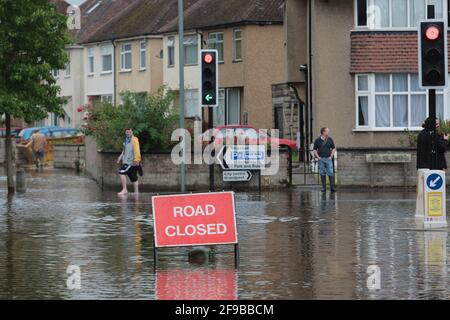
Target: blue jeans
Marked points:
326	167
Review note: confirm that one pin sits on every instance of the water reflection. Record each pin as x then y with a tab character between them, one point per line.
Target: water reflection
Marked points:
297	244
197	284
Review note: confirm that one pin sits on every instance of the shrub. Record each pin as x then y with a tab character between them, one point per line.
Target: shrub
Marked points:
151	117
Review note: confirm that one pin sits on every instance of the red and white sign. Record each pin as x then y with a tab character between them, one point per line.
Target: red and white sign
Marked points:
194	219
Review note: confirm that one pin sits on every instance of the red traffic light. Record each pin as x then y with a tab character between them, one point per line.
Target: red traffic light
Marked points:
208	58
432	33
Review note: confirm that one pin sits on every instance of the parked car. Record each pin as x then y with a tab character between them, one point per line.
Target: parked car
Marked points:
14	132
250	135
50	132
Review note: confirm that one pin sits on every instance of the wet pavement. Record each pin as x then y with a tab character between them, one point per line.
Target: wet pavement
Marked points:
295	244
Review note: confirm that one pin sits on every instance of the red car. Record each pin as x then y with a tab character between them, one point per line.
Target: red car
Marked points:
250	135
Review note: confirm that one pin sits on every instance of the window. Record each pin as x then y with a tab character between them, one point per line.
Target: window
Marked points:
55	73
192	107
106	52
237	45
191	50
125	57
382	14
67	66
143	55
229	108
392	102
171	51
90	53
106	98
215	41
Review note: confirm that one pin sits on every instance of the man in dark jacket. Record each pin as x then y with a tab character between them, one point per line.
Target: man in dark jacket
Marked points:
424	147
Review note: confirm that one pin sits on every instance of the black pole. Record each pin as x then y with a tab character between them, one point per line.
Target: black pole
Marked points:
211	166
432	113
432	105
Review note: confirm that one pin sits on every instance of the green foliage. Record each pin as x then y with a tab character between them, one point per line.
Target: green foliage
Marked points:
33	37
444	127
151	117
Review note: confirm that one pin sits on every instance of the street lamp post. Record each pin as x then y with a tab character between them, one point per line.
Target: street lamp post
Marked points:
181	86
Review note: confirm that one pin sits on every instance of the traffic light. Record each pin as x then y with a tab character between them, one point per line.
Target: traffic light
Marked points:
209	78
433	64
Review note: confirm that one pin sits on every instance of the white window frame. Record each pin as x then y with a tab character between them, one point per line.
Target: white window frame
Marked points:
104	52
90	57
215	34
55	73
123	53
390	28
143	51
171	47
188	97
186	45
235	40
67	66
371	94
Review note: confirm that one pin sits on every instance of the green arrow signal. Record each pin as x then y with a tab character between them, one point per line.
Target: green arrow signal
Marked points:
208	98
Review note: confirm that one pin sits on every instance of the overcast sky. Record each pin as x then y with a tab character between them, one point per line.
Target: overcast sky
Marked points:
77	2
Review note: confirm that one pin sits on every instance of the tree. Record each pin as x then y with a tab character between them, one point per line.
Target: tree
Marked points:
33	38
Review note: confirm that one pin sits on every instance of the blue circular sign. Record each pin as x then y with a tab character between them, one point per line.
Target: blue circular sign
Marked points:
435	181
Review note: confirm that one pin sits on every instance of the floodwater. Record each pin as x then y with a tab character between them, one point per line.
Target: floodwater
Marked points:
294	244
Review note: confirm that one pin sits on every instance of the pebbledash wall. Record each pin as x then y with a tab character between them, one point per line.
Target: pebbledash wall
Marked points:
160	174
18	156
354	170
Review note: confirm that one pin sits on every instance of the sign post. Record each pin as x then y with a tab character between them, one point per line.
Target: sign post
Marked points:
434	199
195	220
420	193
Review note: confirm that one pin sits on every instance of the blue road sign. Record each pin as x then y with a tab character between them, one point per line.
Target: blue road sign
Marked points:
434	181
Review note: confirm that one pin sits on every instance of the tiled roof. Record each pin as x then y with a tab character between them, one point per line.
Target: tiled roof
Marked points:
94	14
384	52
149	17
143	17
214	13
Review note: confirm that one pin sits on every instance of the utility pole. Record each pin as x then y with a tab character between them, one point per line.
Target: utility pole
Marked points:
432	104
181	86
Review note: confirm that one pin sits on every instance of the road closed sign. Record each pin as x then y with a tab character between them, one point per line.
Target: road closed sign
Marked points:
194	219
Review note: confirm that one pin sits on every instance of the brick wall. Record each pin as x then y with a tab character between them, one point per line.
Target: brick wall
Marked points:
65	156
160	174
384	52
353	170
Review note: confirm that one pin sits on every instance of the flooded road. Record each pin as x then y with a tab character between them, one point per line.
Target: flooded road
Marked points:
294	244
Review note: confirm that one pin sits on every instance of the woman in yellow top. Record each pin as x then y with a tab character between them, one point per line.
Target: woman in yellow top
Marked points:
131	162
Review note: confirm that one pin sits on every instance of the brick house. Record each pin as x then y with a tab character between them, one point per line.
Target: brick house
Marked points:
361	58
249	38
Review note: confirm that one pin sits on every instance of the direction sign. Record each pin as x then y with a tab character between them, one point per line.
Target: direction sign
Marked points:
434	181
243	157
230	176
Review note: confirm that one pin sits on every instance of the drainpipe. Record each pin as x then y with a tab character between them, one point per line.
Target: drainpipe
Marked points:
114	72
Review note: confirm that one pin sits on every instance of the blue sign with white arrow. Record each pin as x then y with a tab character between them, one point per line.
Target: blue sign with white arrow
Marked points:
435	181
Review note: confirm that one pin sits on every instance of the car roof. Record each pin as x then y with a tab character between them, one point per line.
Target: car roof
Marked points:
234	126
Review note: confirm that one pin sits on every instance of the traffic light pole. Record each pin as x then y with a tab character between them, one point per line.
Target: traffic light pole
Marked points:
181	86
432	114
211	166
432	104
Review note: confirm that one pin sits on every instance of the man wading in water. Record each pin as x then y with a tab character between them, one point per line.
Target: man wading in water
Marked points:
131	162
324	150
